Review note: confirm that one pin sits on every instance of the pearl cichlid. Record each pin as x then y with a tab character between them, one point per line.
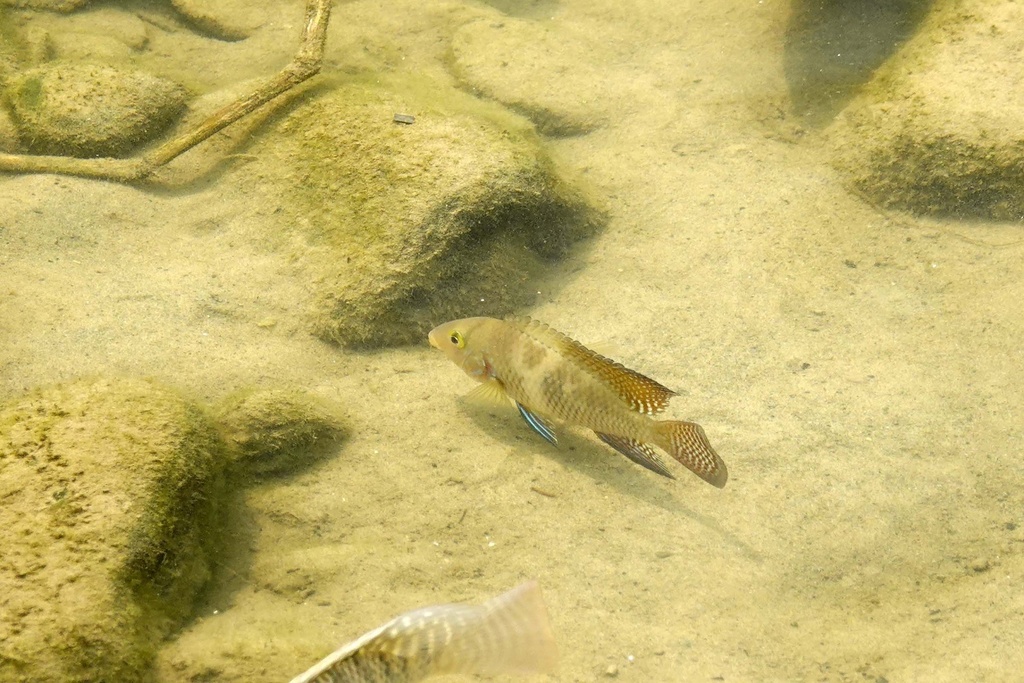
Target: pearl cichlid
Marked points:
552	377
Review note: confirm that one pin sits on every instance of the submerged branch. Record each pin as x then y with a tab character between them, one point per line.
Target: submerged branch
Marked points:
306	64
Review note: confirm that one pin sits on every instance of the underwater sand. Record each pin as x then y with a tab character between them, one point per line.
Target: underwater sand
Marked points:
860	373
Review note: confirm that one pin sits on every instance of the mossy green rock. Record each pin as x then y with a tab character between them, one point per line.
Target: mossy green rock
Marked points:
222	19
51	5
512	61
8	134
398	226
940	130
280	430
109	493
86	110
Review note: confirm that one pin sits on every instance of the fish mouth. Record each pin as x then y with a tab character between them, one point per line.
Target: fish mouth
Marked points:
432	338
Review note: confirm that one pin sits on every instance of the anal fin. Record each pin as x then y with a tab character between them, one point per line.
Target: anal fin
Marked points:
538	425
640	453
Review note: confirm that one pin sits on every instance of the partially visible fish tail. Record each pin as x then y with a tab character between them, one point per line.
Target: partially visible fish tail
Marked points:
508	634
687	443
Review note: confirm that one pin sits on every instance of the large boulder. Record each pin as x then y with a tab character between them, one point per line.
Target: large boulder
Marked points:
111	494
399	225
940	129
87	110
110	497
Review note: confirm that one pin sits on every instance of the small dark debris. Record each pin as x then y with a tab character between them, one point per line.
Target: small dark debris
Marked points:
980	564
407	119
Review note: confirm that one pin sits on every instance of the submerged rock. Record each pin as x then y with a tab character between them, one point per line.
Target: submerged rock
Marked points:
88	110
548	75
940	130
15	47
50	5
399	225
8	133
110	496
832	48
223	19
107	34
279	431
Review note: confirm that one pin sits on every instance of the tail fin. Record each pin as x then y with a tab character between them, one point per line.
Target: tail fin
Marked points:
508	634
687	443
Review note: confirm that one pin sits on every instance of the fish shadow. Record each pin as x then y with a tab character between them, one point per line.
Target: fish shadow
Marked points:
587	456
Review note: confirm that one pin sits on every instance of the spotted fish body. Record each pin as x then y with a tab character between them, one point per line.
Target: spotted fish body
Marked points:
552	377
507	634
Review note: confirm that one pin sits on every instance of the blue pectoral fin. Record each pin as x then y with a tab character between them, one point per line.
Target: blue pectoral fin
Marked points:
538	425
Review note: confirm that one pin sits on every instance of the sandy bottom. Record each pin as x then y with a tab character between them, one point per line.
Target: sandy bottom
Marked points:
860	373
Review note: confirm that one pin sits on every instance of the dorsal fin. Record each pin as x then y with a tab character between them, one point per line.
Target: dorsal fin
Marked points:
640	392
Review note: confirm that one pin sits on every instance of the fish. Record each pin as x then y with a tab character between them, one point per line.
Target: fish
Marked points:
551	377
508	634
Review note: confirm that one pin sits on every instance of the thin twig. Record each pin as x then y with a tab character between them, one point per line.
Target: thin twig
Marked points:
305	65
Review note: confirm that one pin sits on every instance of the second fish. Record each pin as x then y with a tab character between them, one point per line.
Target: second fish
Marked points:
550	376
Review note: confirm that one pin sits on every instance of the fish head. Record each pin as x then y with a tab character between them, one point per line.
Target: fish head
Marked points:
462	341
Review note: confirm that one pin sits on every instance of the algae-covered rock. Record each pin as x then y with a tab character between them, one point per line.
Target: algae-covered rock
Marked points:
279	431
833	48
12	45
50	5
86	110
556	76
940	129
109	493
107	34
8	133
223	19
400	225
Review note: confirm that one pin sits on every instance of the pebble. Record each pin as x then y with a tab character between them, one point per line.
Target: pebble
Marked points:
981	564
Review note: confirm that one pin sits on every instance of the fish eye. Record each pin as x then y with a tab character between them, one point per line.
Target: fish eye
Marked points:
457	339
